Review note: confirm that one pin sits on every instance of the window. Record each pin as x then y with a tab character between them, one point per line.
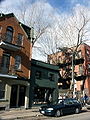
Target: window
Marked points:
80	69
51	77
20	38
0	29
18	62
79	54
38	74
0	33
88	67
9	34
87	51
2	90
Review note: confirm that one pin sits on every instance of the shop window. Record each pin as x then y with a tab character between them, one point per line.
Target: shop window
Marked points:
2	90
9	34
38	74
20	39
18	62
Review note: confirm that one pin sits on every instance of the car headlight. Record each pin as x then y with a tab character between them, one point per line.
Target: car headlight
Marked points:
49	108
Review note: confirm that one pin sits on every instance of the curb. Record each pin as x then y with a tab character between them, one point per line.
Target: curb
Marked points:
20	117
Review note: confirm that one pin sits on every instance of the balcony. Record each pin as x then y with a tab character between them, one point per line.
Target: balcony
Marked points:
6	43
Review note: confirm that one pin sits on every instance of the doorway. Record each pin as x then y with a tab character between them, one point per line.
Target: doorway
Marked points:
17	96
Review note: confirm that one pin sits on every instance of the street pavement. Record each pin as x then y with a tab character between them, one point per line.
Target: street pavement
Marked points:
14	114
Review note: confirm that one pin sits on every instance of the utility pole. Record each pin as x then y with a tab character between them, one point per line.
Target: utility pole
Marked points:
72	86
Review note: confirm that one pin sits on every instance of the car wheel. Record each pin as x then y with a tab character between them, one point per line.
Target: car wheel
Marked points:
77	110
58	113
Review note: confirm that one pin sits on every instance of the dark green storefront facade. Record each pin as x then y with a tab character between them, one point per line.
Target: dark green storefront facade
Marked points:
43	83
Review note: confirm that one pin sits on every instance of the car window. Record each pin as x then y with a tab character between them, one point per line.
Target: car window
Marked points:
60	101
75	101
68	101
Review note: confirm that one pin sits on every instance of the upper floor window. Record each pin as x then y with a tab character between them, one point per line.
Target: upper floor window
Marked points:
0	31
87	51
20	39
51	76
0	28
18	62
88	67
78	55
9	34
81	69
38	74
2	90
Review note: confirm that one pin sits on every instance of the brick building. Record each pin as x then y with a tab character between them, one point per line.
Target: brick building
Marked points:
81	69
15	56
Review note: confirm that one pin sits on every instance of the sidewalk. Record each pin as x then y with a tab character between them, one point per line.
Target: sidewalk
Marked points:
19	113
14	114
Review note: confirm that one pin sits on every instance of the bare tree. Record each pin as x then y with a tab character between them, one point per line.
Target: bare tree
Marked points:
74	33
35	16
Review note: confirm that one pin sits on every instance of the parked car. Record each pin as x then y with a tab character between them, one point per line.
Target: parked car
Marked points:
63	106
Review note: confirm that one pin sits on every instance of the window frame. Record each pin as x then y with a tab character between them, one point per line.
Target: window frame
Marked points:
9	34
38	74
21	39
51	76
18	63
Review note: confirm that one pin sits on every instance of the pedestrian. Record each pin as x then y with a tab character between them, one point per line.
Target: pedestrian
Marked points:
85	98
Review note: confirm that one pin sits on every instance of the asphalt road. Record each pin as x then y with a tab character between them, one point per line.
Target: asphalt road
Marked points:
84	115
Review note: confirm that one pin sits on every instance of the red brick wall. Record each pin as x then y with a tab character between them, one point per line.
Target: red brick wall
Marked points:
25	51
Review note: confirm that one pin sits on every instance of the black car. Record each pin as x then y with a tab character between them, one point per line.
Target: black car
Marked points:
63	106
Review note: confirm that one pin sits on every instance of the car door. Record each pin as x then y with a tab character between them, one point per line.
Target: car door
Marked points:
67	107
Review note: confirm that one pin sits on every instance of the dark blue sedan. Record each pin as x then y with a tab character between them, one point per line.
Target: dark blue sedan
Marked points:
63	106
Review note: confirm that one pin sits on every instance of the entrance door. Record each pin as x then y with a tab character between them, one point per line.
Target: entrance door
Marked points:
22	91
17	96
13	100
5	63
